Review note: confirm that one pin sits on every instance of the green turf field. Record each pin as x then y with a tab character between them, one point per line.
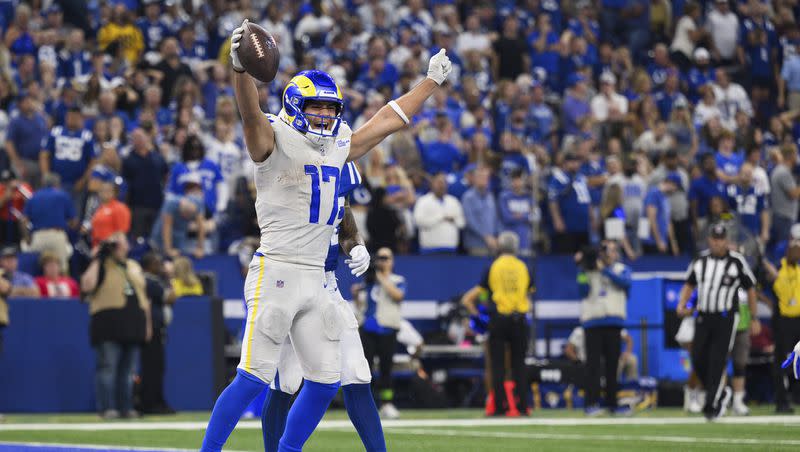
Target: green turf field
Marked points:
452	430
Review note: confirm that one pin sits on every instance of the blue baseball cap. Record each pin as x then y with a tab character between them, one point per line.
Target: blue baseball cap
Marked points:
675	178
574	79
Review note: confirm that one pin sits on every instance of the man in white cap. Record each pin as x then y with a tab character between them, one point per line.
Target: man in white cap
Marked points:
700	74
608	105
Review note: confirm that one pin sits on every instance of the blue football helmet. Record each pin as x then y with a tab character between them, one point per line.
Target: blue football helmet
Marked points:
308	86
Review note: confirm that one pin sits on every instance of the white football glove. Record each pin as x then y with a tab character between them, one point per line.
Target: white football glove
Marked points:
439	67
794	360
359	260
236	37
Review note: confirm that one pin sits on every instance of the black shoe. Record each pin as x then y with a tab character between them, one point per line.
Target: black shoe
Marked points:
784	409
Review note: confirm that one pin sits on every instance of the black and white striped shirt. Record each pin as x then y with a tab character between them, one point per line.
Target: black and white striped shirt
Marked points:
718	279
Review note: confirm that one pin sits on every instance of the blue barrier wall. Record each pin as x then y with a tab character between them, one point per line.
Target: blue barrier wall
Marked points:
47	364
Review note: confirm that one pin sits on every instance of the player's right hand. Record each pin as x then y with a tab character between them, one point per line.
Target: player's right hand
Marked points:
236	37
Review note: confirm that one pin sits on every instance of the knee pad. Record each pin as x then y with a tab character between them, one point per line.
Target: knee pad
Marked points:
276	324
356	371
288	382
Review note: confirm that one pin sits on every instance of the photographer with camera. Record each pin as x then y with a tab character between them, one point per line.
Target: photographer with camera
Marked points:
603	282
384	292
115	288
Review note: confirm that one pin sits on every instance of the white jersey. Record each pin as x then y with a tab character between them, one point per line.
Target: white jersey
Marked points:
296	200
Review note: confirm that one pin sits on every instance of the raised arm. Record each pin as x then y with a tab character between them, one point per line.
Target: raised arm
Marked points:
258	134
395	115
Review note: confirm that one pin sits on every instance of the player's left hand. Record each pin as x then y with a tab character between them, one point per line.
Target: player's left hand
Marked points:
793	360
359	260
439	67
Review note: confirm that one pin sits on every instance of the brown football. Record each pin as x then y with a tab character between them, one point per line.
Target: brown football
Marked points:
259	53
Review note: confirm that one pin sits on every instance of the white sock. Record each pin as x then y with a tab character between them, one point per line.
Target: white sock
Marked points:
738	398
701	397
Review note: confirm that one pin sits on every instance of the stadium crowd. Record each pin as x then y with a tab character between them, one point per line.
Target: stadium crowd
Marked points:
558	117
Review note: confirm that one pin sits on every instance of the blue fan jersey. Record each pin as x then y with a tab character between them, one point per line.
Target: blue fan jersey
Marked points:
210	176
749	204
71	151
573	198
349	180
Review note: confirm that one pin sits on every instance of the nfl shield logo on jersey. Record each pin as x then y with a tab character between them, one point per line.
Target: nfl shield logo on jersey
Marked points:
279	284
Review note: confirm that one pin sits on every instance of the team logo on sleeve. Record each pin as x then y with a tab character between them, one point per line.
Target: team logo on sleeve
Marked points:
279	284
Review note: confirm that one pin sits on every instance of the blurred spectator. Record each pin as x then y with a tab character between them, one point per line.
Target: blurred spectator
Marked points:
178	214
22	284
153	359
703	189
69	151
787	321
678	200
612	219
789	80
227	152
723	26
785	194
111	216
122	31
660	238
145	171
119	324
437	145
50	214
14	193
576	106
518	211
751	205
480	213
729	160
53	283
384	226
699	74
634	190
687	35
152	27
26	130
171	69
731	98
185	282
569	201
608	107
74	61
384	292
194	163
439	217
628	368
511	50
655	142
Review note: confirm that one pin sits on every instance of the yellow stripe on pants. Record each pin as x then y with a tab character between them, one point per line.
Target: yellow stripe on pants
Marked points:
251	322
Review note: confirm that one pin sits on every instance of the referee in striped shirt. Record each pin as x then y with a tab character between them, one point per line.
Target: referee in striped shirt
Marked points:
717	274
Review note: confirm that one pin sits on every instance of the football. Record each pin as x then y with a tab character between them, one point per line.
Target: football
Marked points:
259	53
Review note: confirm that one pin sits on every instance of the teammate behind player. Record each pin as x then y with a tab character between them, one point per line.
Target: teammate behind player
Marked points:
298	156
356	375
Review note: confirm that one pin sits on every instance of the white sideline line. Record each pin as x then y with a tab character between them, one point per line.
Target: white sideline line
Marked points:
615	438
95	446
411	423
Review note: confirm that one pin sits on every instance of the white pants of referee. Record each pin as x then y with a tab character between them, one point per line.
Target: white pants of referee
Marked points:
355	369
713	339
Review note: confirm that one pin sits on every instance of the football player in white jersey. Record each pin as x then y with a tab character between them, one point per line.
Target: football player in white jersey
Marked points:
356	371
298	156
